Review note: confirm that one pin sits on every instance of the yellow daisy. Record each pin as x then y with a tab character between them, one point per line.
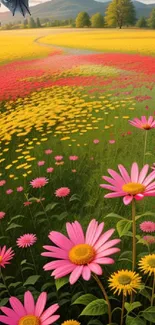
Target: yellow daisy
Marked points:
71	322
147	264
124	281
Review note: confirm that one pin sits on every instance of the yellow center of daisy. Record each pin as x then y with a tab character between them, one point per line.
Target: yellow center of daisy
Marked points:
71	322
81	254
29	320
124	279
133	188
151	262
1	258
146	126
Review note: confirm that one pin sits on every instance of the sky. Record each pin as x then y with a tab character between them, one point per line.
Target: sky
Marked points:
34	2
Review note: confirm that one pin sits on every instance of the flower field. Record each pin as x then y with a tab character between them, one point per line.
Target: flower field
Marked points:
77	177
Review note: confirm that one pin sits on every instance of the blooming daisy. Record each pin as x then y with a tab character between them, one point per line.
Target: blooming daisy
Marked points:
26	240
29	313
41	163
62	192
2	182
58	158
20	189
136	186
48	151
143	123
73	158
125	282
39	182
147	226
80	254
6	256
147	264
50	170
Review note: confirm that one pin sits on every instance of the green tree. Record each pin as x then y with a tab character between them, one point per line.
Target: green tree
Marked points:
32	23
38	24
141	23
151	20
97	20
83	20
120	13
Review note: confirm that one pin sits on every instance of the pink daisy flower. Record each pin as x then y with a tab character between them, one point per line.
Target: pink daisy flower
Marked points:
29	313
62	192
6	255
80	254
147	226
50	170
58	158
41	163
149	239
73	158
26	240
112	141
20	189
2	182
96	141
9	191
136	186
48	151
27	203
143	123
39	182
2	214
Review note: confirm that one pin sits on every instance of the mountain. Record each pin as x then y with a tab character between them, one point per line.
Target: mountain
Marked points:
62	9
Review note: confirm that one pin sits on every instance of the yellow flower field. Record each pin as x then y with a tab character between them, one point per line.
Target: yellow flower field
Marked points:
107	40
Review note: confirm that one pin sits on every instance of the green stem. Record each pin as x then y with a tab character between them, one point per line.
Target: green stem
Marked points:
134	235
34	263
153	290
122	313
145	144
3	279
105	295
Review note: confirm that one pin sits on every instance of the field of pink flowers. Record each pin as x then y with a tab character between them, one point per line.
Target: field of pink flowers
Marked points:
77	186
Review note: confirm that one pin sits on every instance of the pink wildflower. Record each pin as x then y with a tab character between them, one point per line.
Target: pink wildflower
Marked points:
2	214
20	189
143	123
6	256
2	182
73	158
62	192
58	158
26	240
149	239
27	203
41	163
9	191
147	226
39	182
112	141
50	170
48	151
96	141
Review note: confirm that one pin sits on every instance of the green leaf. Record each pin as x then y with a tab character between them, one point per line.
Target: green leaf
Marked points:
123	226
4	301
134	305
14	285
15	218
50	206
31	280
2	286
74	197
149	314
145	293
61	282
95	308
95	322
13	226
85	299
116	216
148	213
23	262
46	285
135	321
41	213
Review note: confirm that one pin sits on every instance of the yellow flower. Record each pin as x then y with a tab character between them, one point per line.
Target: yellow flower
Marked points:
124	281
147	264
71	322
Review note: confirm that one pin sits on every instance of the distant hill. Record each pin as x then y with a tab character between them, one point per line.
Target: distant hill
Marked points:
63	9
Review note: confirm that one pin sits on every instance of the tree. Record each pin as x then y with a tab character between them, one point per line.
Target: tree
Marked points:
120	13
38	24
32	23
83	20
97	20
141	23
151	20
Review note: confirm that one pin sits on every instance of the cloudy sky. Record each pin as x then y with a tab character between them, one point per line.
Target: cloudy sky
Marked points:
34	2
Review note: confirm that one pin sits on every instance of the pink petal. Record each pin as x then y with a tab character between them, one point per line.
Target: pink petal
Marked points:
109	187
108	244
9	312
108	252
111	181
29	303
150	120
51	320
72	234
55	252
134	173
104	238
149	178
124	174
48	312
117	194
55	264
116	176
91	230
86	273
98	233
60	240
143	174
17	306
150	186
127	199
40	305
139	197
76	274
8	320
79	231
63	270
95	268
104	260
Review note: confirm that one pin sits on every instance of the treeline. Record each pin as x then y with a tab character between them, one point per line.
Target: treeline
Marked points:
118	14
